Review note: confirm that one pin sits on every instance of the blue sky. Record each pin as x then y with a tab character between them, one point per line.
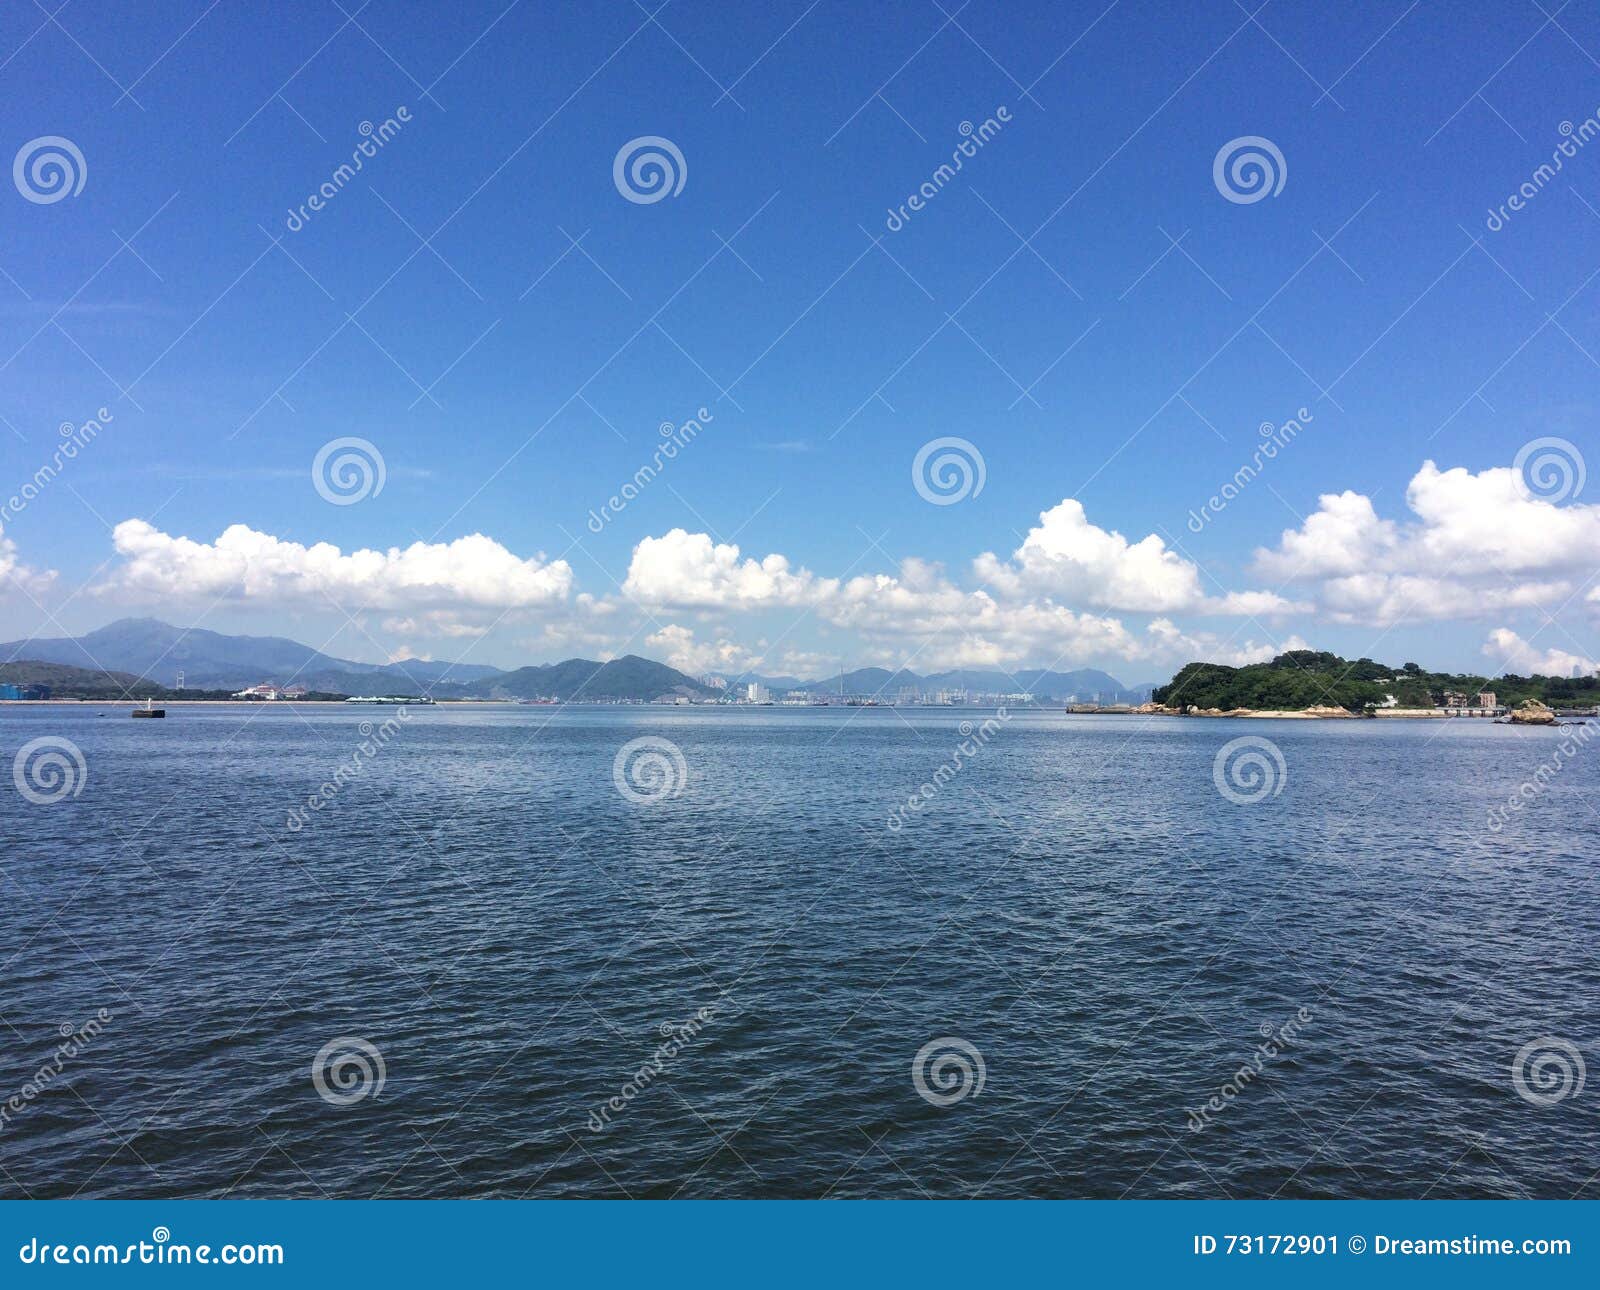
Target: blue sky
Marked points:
1081	303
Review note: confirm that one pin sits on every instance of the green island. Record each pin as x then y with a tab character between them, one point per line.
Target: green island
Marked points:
1303	679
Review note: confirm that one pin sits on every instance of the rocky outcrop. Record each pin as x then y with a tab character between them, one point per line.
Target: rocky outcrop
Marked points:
1533	713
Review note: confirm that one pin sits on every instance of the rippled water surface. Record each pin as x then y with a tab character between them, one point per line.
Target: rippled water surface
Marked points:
521	943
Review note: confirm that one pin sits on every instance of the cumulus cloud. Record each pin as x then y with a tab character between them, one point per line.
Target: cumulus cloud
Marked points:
1067	557
918	615
1344	536
1169	642
16	576
1491	516
1064	560
470	573
1524	659
688	571
677	646
1475	544
1393	597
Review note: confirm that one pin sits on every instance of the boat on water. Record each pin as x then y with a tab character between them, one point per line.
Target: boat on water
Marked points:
392	700
149	710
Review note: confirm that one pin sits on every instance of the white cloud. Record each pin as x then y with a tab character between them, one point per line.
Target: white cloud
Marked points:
1028	611
14	575
1393	597
678	648
470	573
436	622
1477	543
917	615
1205	647
1343	536
1036	605
1067	557
688	571
1492	517
1518	656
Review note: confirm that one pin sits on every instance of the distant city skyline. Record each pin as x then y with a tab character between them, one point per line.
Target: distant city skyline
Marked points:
1003	338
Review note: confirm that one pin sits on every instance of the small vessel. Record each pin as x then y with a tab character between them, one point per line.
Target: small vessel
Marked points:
149	710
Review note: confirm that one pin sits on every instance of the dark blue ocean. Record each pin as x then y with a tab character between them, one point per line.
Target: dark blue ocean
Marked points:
809	952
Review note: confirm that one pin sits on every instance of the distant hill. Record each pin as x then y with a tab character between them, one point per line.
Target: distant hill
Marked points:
67	682
157	651
1305	678
865	680
629	677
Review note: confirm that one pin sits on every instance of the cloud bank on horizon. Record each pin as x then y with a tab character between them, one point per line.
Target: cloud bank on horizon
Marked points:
1475	546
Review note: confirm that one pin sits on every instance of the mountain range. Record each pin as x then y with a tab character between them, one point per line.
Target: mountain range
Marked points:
155	652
